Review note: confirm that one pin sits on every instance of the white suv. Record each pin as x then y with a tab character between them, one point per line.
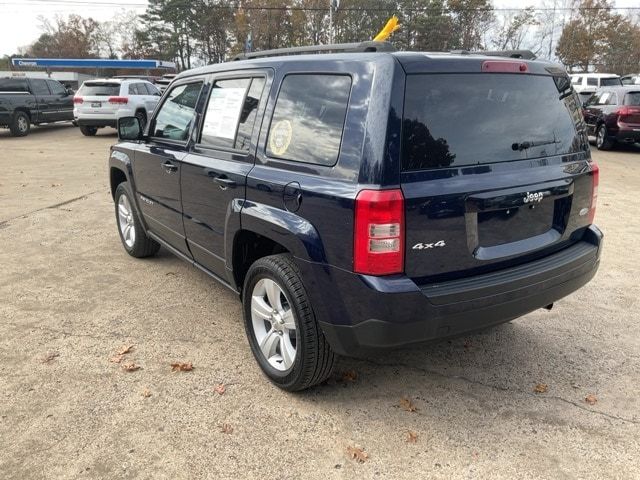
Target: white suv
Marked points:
100	103
586	84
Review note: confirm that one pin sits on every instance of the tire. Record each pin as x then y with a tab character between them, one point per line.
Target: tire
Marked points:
313	360
603	142
132	235
88	131
141	115
20	124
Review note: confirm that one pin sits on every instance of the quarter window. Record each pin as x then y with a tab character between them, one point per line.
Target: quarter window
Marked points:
13	85
177	113
592	81
308	118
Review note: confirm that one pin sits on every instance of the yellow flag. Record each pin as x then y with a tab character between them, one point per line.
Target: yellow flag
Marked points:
389	28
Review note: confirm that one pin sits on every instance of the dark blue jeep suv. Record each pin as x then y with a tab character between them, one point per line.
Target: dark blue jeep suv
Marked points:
365	199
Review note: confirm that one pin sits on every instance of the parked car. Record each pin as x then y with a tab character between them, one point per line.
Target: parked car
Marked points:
164	81
365	199
100	103
33	101
586	84
633	79
613	116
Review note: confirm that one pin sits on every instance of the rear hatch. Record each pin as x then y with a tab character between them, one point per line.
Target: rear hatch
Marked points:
98	98
495	168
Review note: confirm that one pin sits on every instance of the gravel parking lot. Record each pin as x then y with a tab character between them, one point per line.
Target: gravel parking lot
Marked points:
71	299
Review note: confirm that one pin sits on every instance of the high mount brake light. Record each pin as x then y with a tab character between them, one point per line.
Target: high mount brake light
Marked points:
502	66
379	232
595	180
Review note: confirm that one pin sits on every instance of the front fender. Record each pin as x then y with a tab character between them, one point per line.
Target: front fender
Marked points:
121	159
286	228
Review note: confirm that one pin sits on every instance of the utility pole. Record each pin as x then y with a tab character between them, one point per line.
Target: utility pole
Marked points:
333	5
553	24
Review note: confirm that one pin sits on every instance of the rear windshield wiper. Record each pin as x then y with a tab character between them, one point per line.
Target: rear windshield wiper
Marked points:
526	145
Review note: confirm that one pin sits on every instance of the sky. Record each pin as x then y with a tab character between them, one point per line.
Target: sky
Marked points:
19	19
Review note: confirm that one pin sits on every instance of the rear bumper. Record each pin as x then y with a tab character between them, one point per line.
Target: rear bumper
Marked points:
360	314
96	122
629	135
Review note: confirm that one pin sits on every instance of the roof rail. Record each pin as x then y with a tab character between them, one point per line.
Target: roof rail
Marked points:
523	54
369	46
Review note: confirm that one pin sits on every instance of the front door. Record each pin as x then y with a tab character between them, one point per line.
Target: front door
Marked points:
158	163
214	174
61	104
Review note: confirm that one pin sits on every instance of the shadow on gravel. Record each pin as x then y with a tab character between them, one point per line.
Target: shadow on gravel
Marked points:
38	130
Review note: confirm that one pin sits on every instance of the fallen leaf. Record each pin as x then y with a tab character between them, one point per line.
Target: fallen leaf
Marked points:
226	428
541	388
116	358
357	454
220	389
130	367
412	437
467	344
182	367
170	273
49	357
125	349
590	399
407	405
146	393
56	184
349	376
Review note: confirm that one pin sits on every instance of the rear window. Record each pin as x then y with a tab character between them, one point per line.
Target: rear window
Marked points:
632	98
472	119
101	89
309	117
610	82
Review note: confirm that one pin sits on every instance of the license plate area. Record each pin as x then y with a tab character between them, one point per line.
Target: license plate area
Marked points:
96	104
511	224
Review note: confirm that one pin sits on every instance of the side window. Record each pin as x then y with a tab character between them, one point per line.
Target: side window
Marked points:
592	81
132	89
39	87
151	89
576	80
248	114
176	115
13	85
308	118
223	112
613	99
137	89
56	87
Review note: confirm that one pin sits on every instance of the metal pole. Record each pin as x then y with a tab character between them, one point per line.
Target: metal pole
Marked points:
330	21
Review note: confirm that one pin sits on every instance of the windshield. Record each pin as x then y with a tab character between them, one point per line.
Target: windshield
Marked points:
632	98
470	119
99	89
610	82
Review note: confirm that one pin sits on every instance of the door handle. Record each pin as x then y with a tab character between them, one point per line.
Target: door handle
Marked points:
169	167
224	182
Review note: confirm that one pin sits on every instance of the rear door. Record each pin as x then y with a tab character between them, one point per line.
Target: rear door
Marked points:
494	171
158	163
214	175
40	90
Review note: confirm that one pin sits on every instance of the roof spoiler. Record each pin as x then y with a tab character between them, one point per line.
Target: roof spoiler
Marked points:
523	54
369	46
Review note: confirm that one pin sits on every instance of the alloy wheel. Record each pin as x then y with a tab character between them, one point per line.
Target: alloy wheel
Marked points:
125	221
274	325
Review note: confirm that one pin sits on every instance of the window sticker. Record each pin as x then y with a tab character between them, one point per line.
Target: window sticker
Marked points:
280	137
223	112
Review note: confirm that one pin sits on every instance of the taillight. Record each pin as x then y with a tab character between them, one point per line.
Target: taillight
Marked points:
595	179
622	111
77	100
378	247
504	66
120	100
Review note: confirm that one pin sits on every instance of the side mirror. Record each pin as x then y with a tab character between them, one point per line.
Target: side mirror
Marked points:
129	128
70	91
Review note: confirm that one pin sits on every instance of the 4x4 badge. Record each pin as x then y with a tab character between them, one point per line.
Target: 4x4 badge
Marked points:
422	246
